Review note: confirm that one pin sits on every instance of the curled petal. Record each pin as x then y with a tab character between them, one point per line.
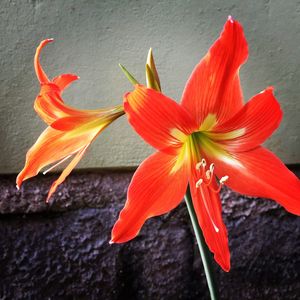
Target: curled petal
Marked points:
252	125
155	189
40	73
49	105
160	121
64	80
260	173
214	86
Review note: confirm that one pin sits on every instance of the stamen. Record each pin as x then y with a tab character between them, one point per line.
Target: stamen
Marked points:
216	228
207	174
199	182
201	164
224	179
207	177
57	164
221	183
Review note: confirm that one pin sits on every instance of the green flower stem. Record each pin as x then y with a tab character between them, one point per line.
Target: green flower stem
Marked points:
204	251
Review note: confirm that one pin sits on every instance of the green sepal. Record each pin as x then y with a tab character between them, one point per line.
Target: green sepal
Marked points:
128	75
151	82
151	64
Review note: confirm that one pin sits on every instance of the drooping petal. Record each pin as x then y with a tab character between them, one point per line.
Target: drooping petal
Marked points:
66	171
88	119
52	146
40	73
155	189
252	125
260	173
208	208
70	123
159	120
64	80
50	107
214	86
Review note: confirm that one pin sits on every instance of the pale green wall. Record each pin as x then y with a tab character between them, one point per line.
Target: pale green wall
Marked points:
93	36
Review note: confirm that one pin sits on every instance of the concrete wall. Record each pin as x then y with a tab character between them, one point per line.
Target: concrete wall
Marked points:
93	36
61	250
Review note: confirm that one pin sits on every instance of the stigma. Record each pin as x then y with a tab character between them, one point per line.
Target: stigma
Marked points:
206	176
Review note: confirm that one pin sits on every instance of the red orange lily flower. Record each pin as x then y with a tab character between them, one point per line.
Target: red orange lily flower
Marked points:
70	130
207	140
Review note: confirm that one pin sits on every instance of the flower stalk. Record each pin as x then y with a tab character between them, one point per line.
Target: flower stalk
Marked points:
205	254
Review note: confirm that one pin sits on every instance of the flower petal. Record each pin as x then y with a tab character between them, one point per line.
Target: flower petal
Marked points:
64	80
51	108
160	121
49	105
252	125
66	171
155	189
260	173
208	208
214	86
88	119
41	75
53	146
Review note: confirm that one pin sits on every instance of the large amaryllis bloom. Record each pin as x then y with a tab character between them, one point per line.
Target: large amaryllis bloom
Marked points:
70	130
207	140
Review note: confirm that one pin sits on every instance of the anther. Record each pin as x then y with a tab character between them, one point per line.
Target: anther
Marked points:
201	164
199	182
224	179
207	174
221	183
207	178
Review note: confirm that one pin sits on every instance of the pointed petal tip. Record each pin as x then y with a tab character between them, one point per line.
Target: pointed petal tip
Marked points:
19	180
230	19
226	269
46	41
149	55
224	263
47	199
270	89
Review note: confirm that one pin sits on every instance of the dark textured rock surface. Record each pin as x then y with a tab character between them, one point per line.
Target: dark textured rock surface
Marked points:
61	250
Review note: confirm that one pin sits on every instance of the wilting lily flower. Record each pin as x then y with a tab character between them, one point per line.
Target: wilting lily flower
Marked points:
70	130
211	138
